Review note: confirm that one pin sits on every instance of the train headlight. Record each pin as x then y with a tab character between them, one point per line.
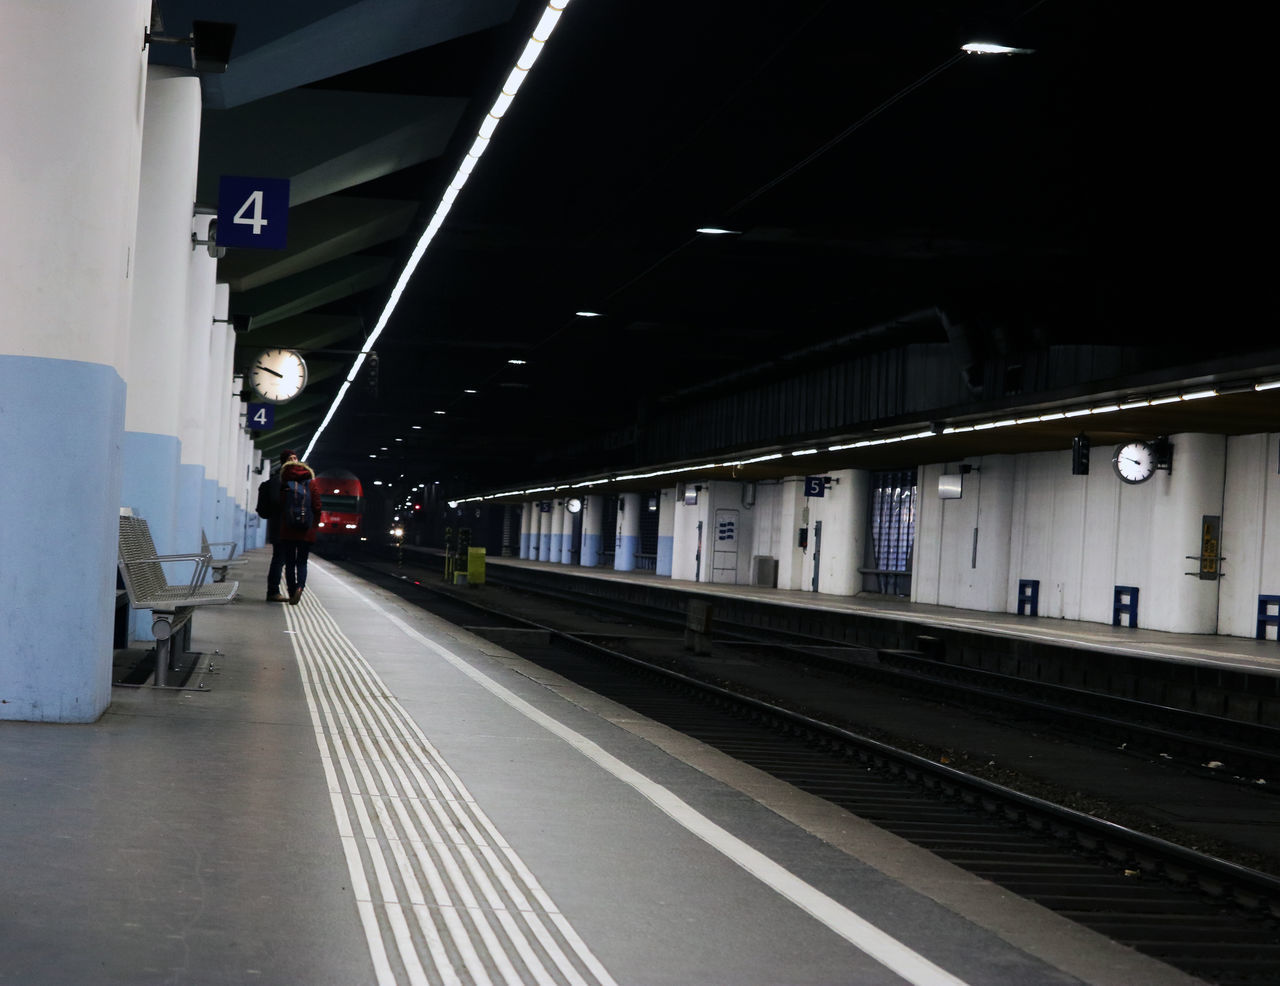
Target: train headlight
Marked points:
352	527
397	532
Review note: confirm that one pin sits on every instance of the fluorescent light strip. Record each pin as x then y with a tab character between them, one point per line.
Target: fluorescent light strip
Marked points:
869	442
532	49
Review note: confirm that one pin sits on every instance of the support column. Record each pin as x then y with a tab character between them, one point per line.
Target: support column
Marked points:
592	530
666	531
225	387
68	193
157	368
218	341
544	533
194	423
557	531
567	544
628	537
526	525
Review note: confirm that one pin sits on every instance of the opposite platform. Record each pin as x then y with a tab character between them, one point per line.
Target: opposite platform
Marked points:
368	795
1223	652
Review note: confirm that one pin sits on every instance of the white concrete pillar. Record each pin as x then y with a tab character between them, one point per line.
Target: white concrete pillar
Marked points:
157	371
544	530
567	544
193	422
71	133
627	540
592	531
557	516
1177	502
240	466
226	419
212	431
527	513
666	530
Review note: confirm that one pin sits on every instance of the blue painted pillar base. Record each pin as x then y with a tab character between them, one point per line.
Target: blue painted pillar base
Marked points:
624	559
150	488
190	482
666	552
590	556
61	427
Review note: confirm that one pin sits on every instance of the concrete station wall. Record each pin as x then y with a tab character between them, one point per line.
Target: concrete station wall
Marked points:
1019	517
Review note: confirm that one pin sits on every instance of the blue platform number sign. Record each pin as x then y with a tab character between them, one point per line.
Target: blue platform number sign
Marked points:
253	212
815	485
261	416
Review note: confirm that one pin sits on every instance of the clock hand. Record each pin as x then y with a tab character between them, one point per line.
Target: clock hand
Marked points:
271	371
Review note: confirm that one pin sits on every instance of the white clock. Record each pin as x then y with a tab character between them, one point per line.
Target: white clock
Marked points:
278	375
1134	462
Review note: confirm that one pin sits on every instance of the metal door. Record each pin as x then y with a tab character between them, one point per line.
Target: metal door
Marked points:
724	557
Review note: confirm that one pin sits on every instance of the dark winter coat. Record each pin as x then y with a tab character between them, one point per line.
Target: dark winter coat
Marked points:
303	472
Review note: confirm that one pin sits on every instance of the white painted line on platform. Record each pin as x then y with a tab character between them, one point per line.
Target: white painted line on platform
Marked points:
414	823
884	948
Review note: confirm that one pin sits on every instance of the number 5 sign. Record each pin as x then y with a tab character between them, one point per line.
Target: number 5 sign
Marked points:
253	212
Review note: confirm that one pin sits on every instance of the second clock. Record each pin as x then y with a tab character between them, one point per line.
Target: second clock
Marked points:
278	375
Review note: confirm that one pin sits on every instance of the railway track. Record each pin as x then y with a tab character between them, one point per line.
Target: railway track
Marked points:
1206	916
1229	749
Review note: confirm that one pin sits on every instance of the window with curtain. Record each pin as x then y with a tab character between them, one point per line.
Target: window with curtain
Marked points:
891	532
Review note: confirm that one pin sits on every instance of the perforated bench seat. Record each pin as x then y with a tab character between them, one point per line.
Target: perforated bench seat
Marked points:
141	569
220	565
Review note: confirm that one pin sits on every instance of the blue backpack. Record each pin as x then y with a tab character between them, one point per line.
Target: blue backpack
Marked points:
296	504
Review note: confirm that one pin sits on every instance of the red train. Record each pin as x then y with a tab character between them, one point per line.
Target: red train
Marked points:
341	510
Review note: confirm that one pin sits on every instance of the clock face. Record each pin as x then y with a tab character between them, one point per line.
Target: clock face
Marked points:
1135	462
278	375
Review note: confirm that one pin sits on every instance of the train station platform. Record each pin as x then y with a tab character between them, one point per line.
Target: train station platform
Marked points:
1222	652
361	793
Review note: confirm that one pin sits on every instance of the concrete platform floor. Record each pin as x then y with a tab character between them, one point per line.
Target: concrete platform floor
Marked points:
366	795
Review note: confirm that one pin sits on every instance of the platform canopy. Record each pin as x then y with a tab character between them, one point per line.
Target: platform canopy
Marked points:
946	233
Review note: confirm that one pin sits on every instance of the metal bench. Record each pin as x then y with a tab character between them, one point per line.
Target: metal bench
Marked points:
149	588
219	565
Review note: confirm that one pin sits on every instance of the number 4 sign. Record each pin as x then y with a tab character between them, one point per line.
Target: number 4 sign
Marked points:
261	417
253	212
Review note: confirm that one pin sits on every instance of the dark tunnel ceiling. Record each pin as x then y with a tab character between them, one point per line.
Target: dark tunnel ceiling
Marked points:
871	169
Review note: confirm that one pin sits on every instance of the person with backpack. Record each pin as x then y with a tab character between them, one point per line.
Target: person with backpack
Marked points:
268	508
297	520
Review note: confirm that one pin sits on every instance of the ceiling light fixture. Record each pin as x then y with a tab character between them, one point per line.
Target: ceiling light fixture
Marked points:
587	314
516	362
532	49
987	48
718	231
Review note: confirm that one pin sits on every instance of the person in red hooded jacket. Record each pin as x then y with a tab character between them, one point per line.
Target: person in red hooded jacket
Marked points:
297	541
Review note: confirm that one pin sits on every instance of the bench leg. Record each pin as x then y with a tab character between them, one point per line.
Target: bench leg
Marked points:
164	651
165	633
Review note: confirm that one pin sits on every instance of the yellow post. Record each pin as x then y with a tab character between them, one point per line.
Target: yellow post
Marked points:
475	566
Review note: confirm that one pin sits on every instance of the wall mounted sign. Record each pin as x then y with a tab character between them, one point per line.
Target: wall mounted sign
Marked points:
261	417
253	212
1210	558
